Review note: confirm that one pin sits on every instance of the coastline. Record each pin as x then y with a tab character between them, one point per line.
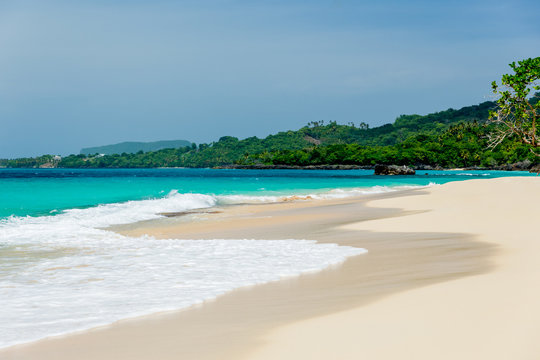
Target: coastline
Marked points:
236	323
519	166
492	315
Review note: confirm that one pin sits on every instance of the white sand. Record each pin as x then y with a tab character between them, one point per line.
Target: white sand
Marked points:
425	290
495	315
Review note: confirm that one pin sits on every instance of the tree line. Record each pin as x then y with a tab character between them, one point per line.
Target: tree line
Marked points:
450	138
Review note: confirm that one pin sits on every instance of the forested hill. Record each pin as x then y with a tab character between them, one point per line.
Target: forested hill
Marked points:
131	147
450	138
403	127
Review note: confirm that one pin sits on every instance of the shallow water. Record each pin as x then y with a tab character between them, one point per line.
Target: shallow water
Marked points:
61	272
49	191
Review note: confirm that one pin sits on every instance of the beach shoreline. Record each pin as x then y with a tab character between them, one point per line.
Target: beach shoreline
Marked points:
414	250
244	322
491	315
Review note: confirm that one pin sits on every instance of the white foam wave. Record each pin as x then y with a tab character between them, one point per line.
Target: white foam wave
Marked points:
247	199
112	277
471	174
339	193
74	221
352	192
62	273
77	221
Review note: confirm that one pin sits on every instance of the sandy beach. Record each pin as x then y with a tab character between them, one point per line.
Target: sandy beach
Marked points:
452	272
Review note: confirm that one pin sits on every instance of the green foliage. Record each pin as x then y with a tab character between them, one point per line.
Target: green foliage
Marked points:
450	138
518	113
462	145
40	161
161	158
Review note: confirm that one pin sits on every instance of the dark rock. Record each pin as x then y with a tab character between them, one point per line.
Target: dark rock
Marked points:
519	166
393	170
522	165
535	169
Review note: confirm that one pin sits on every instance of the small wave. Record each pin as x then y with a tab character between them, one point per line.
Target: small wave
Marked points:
247	199
58	292
328	195
48	285
105	215
353	192
120	213
471	174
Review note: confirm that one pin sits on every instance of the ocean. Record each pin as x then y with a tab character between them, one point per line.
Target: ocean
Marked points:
62	271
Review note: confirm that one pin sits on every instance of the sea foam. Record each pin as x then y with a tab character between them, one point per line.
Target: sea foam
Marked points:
63	273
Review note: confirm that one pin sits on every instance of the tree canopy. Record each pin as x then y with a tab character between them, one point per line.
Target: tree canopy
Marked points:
518	112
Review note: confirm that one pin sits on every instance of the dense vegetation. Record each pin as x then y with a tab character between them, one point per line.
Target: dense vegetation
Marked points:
462	145
451	138
40	161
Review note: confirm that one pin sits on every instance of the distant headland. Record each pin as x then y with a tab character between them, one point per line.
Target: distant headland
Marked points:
132	147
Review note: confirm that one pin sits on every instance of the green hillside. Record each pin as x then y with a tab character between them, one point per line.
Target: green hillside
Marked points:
131	147
450	138
231	150
308	145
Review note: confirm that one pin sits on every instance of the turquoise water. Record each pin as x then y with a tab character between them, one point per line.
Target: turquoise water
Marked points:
62	270
38	192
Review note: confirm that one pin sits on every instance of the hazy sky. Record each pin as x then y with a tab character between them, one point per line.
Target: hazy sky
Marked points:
84	73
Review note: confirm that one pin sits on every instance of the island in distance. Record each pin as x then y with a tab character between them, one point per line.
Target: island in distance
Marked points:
131	147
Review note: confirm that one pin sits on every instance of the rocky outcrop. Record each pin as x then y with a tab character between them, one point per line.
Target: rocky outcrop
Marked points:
535	169
393	170
519	166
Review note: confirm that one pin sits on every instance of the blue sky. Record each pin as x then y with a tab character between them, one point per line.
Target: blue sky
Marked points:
85	73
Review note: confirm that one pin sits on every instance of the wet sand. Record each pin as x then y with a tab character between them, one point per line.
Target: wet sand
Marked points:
492	315
242	323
